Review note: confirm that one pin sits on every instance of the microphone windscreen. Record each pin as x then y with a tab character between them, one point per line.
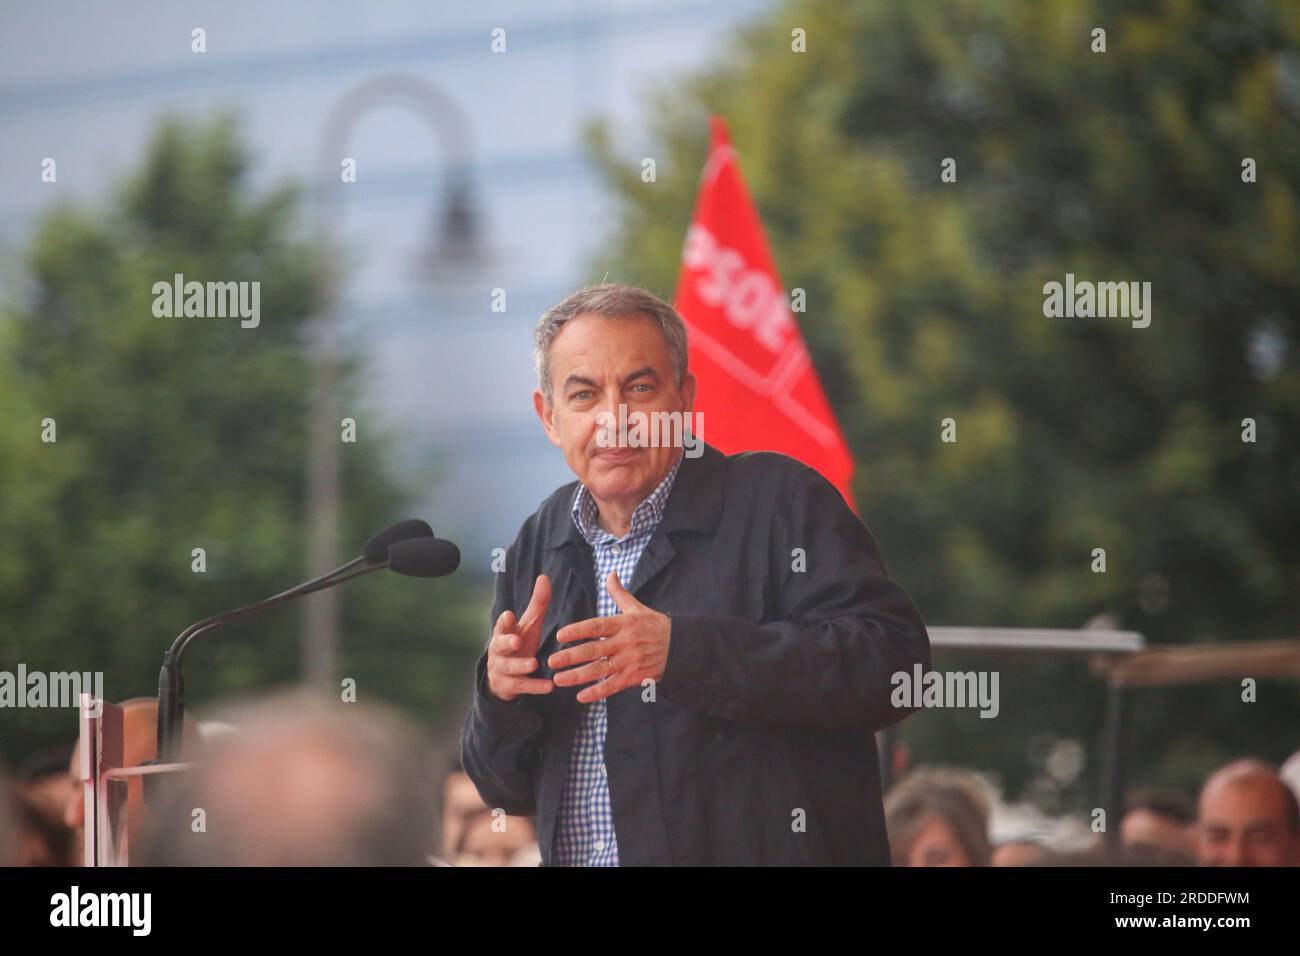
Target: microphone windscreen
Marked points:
375	551
424	557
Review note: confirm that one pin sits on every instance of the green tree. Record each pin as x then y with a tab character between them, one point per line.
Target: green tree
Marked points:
925	302
183	433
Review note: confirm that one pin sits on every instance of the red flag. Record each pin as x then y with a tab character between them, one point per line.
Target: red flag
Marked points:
757	388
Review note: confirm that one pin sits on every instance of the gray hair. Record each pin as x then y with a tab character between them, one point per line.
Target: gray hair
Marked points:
612	300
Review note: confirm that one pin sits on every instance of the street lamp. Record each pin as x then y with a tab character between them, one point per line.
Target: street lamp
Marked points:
457	245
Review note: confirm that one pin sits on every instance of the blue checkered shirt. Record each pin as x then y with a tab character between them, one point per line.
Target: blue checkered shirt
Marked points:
584	833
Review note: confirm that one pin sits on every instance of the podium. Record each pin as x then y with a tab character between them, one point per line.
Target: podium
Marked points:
107	785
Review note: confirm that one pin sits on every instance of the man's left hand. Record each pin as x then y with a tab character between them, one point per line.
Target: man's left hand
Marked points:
634	647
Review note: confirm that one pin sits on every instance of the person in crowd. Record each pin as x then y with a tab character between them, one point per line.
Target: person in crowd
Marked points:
1019	853
8	828
305	781
1290	773
42	787
504	841
460	801
938	818
1159	822
1246	816
43	779
36	839
490	838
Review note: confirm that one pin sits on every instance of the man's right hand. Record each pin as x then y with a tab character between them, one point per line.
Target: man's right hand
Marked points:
512	652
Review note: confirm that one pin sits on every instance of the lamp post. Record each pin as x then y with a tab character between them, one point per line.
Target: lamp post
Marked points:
457	243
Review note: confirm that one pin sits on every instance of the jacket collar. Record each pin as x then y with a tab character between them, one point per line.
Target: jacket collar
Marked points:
694	505
646	516
694	501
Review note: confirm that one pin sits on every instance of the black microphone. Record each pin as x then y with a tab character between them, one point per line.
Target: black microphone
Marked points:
424	557
171	682
375	551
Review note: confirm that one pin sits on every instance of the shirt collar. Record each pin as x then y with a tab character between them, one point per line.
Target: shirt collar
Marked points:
644	518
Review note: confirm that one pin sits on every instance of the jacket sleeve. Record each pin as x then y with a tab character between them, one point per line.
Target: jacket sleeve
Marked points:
500	742
843	628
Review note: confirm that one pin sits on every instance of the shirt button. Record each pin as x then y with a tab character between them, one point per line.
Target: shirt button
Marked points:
617	549
600	844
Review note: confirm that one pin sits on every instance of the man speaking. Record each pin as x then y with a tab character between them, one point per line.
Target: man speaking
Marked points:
690	651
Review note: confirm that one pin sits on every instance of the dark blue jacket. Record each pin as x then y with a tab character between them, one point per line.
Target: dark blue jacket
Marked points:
758	747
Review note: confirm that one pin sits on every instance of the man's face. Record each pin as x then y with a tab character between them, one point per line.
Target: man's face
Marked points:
1244	823
598	363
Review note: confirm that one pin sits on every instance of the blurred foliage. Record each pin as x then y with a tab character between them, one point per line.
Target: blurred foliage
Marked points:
925	301
179	433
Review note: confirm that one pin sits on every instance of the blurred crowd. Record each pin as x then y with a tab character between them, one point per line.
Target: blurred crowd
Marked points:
1247	813
295	779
